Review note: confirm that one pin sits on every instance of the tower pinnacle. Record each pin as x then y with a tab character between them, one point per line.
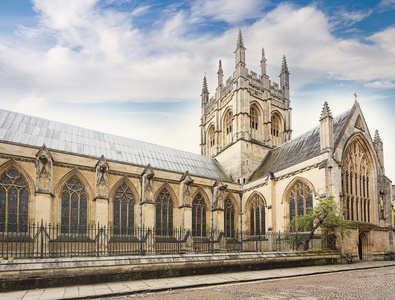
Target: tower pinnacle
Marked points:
326	112
240	43
284	75
220	73
263	62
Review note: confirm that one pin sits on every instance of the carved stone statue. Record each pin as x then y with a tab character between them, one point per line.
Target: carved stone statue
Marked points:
147	184
218	195
382	208
43	170
102	178
186	189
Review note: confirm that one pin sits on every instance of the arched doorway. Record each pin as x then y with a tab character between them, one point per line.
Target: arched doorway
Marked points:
362	246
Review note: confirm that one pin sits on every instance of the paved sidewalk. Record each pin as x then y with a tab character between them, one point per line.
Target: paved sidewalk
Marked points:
150	285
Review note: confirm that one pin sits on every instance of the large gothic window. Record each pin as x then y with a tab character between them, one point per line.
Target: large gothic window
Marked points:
228	127
257	216
123	210
211	141
164	213
198	216
356	170
14	202
300	202
74	207
254	123
229	219
276	129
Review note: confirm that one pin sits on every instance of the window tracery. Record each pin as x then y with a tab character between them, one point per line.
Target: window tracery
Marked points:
14	202
276	129
229	219
164	213
74	207
123	205
199	209
356	171
257	216
211	141
228	127
254	121
300	202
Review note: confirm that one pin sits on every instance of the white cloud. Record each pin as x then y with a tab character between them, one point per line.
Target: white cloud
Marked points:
387	4
380	84
352	17
231	11
94	55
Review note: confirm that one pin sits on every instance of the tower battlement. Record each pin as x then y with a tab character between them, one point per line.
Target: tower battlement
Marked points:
249	109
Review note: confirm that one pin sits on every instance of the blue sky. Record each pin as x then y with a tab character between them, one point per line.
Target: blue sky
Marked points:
135	68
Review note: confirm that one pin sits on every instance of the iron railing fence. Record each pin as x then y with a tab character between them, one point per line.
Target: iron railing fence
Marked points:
41	240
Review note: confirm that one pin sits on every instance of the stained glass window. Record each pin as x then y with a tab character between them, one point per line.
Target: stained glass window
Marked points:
300	203
74	207
355	171
199	209
229	219
14	202
123	210
257	215
164	213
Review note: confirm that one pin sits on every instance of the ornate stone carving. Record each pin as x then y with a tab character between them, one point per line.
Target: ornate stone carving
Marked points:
185	191
218	195
359	124
147	194
44	162
102	178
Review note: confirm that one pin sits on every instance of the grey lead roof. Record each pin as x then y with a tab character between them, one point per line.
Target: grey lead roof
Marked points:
297	150
33	131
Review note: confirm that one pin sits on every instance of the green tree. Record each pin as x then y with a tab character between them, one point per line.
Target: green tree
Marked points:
327	215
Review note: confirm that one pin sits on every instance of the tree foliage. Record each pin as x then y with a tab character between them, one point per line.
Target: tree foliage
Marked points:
327	215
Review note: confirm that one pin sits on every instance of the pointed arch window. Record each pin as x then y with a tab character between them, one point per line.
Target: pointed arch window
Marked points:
254	123
300	203
123	204
74	207
228	127
14	202
211	141
229	220
356	169
257	216
199	209
164	213
276	129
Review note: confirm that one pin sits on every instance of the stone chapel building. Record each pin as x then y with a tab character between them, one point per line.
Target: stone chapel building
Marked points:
251	175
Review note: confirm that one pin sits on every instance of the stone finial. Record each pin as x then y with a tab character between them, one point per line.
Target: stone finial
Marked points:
284	66
240	42
377	139
263	58
205	88
263	62
326	112
220	67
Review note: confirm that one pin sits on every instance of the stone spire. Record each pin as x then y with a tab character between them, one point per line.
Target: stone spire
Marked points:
263	62
326	112
220	74
205	92
284	76
240	51
326	128
240	43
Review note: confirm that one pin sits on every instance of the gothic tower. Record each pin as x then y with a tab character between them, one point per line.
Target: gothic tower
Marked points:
247	116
